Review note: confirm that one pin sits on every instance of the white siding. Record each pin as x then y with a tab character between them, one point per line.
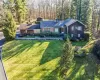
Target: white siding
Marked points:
56	30
36	30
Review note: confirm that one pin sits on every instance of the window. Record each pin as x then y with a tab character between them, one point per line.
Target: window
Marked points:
36	30
72	28
56	29
79	28
72	35
46	29
79	35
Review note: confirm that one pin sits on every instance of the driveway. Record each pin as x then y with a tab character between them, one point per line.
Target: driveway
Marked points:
2	71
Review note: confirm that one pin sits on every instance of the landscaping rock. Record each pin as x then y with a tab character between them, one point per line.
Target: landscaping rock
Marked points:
96	49
77	48
80	55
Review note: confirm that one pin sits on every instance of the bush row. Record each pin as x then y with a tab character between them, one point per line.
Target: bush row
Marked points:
47	34
86	36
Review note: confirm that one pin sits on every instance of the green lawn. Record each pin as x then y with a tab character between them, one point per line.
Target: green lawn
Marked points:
31	60
79	43
38	60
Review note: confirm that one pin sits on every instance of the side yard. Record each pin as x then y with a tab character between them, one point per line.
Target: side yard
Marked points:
38	60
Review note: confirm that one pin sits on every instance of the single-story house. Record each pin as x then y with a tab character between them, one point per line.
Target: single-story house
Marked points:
33	29
48	26
72	27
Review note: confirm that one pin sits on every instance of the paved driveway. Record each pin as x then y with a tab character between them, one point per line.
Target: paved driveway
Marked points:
2	71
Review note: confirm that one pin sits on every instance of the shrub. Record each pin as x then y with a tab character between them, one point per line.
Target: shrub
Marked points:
9	27
66	58
85	50
55	34
80	52
66	36
96	49
49	34
36	34
86	36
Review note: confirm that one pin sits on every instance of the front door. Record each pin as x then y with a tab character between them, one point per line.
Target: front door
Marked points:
61	30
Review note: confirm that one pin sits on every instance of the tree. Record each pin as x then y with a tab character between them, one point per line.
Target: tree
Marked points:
21	10
90	11
84	11
73	13
1	13
9	26
66	58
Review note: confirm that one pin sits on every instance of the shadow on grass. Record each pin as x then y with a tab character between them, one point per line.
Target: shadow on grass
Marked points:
53	51
52	76
90	70
19	48
79	43
78	63
82	70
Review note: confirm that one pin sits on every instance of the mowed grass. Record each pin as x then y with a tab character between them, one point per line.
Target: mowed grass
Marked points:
31	60
38	60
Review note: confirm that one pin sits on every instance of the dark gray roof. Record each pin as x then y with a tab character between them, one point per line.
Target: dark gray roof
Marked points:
36	26
71	21
50	23
67	22
54	23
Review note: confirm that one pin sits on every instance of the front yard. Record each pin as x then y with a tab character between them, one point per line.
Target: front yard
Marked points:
38	60
31	60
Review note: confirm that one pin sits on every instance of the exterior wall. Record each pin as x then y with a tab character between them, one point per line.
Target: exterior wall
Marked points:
57	30
75	33
23	32
48	29
36	31
52	29
30	31
61	30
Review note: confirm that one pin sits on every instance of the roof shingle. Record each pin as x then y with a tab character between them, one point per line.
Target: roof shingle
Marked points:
36	26
50	23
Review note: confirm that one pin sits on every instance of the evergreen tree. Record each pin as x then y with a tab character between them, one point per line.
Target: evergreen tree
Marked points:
20	7
73	9
67	58
90	11
9	27
79	10
84	11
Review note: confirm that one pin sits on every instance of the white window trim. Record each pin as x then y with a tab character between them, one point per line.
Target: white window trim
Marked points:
79	28
79	35
56	29
72	28
72	35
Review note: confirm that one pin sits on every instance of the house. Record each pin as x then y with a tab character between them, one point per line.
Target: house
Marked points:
48	26
23	29
72	27
33	29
